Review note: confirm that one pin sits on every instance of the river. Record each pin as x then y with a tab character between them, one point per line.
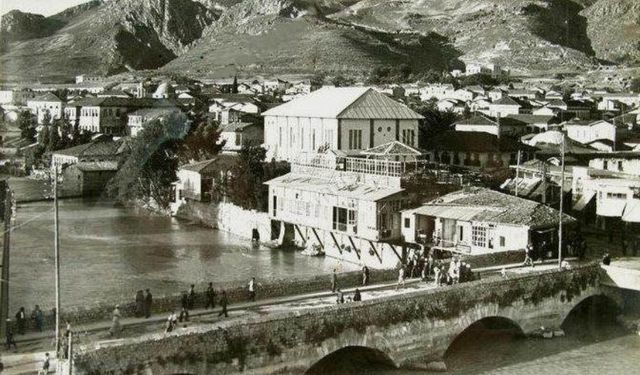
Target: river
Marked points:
108	253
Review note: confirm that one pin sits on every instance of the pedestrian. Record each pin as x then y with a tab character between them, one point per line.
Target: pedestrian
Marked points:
38	318
606	259
115	321
528	261
191	297
45	365
423	273
400	277
184	315
340	298
21	320
356	296
223	303
436	275
148	301
211	297
139	303
9	335
334	281
171	322
365	276
184	301
252	289
429	265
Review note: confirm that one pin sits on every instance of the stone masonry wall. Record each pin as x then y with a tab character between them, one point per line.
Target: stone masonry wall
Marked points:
404	327
236	292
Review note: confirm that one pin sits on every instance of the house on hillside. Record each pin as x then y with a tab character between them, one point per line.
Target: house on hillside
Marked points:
196	181
137	119
236	134
477	221
588	132
504	107
506	126
475	149
349	119
100	149
109	115
536	123
47	103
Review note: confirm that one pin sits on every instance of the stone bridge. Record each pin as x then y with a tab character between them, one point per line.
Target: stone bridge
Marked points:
407	330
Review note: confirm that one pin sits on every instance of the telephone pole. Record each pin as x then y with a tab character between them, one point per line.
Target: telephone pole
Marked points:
56	247
6	248
561	205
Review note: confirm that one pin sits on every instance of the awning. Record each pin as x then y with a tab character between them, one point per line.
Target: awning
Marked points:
631	212
584	200
612	208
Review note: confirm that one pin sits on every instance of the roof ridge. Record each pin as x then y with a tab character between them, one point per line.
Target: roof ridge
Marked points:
368	89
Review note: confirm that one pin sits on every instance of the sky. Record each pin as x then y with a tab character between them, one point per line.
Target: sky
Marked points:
45	7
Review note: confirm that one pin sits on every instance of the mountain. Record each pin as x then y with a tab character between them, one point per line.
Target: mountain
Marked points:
109	37
223	37
524	35
614	29
276	36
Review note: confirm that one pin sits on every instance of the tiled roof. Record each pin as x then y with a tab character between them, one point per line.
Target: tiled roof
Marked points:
92	149
48	97
122	102
97	166
495	207
506	100
345	103
477	119
211	165
533	119
236	126
473	142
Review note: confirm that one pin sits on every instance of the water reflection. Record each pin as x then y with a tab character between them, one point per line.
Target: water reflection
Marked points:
107	253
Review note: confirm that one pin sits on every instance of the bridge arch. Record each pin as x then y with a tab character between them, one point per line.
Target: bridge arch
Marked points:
488	323
350	359
599	303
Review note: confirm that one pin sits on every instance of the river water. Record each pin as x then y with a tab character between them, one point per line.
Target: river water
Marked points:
108	253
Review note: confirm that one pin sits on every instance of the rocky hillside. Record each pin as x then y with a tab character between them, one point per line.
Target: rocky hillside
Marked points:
614	29
222	37
109	37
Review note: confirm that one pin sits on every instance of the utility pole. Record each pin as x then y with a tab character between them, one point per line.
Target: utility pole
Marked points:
56	247
6	248
561	205
517	172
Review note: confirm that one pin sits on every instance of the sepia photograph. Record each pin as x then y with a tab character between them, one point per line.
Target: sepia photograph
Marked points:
320	187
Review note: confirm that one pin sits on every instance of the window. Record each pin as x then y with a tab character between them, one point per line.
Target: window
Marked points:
620	166
605	165
340	219
279	136
302	138
238	139
407	222
313	139
408	136
460	233
479	236
355	139
502	241
616	195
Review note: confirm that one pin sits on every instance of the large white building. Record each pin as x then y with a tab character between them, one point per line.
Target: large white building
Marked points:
47	103
349	119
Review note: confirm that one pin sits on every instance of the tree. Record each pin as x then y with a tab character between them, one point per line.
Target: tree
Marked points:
201	143
634	85
54	137
234	87
435	121
149	169
247	177
27	126
43	137
342	81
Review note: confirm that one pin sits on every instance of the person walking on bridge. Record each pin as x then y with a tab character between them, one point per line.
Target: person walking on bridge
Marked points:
148	301
400	277
115	321
365	276
223	303
211	297
21	320
9	336
334	281
528	250
252	289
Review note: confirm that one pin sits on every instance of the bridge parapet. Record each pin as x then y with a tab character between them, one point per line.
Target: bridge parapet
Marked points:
408	328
